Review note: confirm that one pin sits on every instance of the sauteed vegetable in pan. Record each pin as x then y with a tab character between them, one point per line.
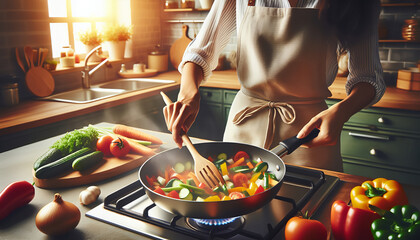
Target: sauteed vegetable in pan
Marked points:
243	176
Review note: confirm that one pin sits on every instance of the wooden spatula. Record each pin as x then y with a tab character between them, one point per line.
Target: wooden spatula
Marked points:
205	170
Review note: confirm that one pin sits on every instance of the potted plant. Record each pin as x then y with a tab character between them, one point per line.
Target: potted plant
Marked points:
91	39
116	37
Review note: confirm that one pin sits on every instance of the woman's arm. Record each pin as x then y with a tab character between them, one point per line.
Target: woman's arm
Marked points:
330	122
365	86
199	59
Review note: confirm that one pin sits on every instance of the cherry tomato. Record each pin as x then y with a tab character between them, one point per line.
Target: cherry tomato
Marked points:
103	144
173	194
236	195
119	147
239	179
298	228
239	155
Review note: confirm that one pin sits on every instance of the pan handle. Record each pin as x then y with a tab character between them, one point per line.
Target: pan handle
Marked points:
292	143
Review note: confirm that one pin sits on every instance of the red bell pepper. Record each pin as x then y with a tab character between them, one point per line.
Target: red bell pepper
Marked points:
349	223
14	196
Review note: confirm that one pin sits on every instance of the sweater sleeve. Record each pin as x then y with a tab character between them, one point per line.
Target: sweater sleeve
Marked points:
365	65
214	35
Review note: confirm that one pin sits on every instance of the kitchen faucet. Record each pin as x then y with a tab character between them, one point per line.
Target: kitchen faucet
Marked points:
86	74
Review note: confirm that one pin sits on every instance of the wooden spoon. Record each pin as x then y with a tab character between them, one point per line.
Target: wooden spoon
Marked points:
19	60
29	56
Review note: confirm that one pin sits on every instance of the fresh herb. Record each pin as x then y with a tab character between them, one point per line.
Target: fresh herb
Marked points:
77	139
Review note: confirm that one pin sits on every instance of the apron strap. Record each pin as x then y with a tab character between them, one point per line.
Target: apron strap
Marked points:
251	2
275	109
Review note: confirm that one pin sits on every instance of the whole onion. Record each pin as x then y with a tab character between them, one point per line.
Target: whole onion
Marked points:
57	217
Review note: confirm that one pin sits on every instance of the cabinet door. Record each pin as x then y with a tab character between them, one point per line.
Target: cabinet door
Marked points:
383	148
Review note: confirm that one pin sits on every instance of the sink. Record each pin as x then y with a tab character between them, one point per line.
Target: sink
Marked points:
107	89
84	95
132	84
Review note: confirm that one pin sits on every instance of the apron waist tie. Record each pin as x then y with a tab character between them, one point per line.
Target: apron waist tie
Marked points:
275	109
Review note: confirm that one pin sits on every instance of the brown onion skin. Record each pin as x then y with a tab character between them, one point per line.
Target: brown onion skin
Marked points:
57	217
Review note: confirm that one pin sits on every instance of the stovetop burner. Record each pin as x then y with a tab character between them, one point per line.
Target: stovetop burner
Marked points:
131	209
216	227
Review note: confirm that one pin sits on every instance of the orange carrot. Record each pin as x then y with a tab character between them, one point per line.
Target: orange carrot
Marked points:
250	165
194	178
139	148
134	133
237	163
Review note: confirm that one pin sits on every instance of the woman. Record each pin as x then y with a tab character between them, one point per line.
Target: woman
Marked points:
286	57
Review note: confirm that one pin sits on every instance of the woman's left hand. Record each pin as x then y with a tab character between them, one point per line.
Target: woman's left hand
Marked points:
330	123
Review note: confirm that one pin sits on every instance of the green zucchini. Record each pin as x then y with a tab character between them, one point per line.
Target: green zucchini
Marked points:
241	169
59	166
262	167
185	194
87	161
53	154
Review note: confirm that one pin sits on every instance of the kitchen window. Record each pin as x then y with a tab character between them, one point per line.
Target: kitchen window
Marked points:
68	18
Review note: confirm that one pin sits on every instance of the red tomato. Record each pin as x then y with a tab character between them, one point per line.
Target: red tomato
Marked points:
119	147
298	228
239	155
236	195
103	144
240	179
160	191
173	194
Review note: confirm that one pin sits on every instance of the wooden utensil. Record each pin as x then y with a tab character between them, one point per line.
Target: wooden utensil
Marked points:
28	56
178	48
205	170
19	60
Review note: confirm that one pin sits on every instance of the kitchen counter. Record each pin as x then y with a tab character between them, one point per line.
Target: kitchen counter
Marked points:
35	113
16	165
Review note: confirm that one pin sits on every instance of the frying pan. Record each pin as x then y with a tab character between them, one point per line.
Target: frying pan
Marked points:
220	209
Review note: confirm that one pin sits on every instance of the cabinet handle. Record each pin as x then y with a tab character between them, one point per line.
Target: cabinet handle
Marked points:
372	152
363	135
381	120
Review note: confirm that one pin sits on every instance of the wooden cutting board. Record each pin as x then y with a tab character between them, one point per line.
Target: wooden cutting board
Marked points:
39	81
109	167
178	48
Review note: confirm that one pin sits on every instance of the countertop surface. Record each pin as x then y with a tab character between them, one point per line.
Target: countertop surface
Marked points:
16	165
35	113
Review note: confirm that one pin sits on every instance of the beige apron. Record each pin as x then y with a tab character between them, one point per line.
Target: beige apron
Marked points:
281	66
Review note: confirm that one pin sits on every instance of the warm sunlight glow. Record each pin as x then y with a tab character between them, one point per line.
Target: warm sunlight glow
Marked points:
83	15
57	8
89	8
59	37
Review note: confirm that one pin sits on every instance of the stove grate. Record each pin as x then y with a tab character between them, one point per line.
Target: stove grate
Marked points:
309	179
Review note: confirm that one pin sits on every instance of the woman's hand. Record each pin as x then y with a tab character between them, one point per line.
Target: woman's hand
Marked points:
179	116
330	121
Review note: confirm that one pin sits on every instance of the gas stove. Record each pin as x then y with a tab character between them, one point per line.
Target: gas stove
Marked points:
130	208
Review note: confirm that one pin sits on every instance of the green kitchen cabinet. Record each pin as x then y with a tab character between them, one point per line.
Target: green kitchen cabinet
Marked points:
382	142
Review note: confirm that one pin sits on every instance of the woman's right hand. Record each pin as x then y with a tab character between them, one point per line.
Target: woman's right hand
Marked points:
180	115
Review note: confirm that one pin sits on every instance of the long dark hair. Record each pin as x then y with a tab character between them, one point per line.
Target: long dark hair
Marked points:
350	19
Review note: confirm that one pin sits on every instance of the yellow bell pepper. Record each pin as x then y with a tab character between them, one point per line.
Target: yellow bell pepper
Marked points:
380	192
255	177
252	188
225	198
237	189
223	167
212	198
